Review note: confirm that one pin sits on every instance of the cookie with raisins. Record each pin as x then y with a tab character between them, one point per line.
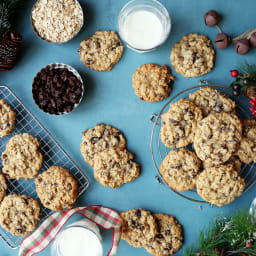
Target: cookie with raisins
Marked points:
57	188
98	138
114	167
138	227
101	51
169	238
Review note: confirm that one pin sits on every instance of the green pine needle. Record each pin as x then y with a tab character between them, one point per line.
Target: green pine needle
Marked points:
7	8
248	69
242	230
231	234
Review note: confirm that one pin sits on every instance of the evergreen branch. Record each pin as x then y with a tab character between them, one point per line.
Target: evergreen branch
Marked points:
230	235
7	9
248	69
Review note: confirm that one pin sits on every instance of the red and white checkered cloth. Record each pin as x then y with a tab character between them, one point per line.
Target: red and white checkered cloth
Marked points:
47	231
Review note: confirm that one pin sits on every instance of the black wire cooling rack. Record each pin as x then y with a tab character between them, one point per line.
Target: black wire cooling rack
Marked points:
159	151
53	155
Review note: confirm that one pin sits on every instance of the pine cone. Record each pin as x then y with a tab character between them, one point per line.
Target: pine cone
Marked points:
9	49
250	92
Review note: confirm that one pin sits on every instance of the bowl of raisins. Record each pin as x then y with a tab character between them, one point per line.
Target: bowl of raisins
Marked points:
57	89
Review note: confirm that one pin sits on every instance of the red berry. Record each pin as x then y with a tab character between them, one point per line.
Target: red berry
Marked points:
243	255
253	109
252	102
234	73
249	244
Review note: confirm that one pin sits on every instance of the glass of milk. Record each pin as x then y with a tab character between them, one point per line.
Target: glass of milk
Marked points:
78	239
144	25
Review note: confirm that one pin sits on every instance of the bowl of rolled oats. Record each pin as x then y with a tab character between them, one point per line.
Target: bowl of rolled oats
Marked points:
57	21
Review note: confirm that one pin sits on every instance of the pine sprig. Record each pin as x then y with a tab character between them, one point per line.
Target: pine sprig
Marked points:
230	235
241	229
248	69
7	8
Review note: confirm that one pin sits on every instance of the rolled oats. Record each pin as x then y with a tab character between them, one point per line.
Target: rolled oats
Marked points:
57	21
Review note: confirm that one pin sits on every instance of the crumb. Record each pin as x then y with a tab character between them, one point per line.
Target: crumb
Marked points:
200	207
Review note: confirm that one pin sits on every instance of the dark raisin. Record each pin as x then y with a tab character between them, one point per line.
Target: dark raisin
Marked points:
129	164
195	57
167	233
177	166
68	108
159	236
93	140
141	227
115	45
185	111
174	122
89	61
25	200
168	247
69	186
21	230
138	213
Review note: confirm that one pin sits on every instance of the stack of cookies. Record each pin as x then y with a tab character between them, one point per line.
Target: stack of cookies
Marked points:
209	121
56	188
160	234
104	148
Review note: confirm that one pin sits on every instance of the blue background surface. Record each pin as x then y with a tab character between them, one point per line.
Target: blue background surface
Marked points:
110	98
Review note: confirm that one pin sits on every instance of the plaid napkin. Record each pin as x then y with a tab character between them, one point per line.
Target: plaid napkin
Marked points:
47	231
